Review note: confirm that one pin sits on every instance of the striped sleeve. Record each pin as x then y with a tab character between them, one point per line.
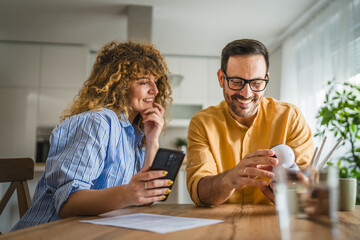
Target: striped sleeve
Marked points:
78	156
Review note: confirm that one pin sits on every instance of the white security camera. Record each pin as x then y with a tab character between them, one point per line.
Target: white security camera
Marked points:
286	156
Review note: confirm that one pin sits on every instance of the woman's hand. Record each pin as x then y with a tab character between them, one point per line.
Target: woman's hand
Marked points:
142	189
153	119
145	187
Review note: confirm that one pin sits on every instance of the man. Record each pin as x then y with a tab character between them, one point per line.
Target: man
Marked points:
229	156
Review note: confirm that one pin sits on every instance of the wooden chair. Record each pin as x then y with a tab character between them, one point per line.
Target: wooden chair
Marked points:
16	171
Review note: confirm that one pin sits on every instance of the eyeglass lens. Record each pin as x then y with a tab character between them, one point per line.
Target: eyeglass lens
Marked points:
255	85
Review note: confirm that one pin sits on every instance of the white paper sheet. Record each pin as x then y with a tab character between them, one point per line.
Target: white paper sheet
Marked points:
153	222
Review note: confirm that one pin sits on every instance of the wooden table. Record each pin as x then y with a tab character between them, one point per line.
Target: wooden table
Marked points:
241	222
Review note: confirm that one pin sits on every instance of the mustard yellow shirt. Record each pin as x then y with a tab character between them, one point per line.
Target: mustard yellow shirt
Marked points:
217	142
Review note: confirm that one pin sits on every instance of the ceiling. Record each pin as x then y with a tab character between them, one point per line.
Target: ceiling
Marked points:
191	27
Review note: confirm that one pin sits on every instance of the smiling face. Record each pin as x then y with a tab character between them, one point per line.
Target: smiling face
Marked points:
243	104
142	94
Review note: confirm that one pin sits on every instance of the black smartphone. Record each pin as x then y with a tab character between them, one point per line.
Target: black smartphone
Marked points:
169	160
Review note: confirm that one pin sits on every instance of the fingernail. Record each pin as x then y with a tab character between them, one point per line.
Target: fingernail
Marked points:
164	173
271	175
168	191
163	197
274	160
170	182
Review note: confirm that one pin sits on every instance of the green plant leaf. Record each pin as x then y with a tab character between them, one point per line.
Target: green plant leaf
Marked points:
340	116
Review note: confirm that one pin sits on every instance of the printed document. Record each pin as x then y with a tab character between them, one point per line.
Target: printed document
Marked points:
153	222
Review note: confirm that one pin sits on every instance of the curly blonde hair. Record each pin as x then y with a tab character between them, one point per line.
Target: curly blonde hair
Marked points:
116	66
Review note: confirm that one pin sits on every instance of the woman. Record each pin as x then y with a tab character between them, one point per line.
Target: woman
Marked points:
101	151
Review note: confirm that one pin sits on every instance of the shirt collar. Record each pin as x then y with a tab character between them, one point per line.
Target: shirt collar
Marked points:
125	123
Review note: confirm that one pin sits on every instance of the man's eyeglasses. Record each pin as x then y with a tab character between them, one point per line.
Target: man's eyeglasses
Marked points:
238	83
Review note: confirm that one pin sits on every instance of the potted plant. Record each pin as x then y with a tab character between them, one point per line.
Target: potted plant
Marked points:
340	114
181	143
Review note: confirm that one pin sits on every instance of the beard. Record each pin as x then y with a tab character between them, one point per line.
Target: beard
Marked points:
239	110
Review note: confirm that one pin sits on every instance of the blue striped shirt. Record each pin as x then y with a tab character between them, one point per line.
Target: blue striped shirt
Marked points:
91	150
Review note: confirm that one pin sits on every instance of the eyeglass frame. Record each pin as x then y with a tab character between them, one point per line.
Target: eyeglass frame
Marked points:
246	82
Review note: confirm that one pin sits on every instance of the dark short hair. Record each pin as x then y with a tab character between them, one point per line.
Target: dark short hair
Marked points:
243	47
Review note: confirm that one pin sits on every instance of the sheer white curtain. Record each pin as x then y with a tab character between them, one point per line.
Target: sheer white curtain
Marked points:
326	48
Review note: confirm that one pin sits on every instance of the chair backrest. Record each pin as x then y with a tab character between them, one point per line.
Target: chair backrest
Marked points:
16	171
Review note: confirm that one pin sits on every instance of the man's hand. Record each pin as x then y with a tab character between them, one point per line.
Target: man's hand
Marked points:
253	165
268	190
215	190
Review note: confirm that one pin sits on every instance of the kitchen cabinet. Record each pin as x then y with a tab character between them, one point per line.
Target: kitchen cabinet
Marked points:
19	79
18	108
194	70
198	89
37	81
19	65
63	72
63	66
214	91
52	102
180	113
195	79
173	66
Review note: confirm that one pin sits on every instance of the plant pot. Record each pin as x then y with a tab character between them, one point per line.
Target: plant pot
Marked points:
183	148
347	193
